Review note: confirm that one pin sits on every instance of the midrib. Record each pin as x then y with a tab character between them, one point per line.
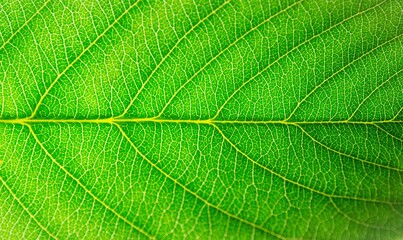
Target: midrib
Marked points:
190	121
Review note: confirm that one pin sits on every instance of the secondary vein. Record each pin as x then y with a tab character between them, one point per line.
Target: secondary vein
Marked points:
85	188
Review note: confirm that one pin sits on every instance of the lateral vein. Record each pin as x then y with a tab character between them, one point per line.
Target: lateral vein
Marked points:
78	58
26	209
85	188
193	193
294	182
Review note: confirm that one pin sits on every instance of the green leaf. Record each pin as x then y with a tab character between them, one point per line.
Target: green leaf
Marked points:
237	119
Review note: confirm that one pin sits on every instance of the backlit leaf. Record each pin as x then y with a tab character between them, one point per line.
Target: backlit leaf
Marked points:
243	119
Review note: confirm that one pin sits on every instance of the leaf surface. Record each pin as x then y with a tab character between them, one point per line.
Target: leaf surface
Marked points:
201	119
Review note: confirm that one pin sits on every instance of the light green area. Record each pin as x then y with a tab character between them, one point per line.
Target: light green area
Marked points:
211	119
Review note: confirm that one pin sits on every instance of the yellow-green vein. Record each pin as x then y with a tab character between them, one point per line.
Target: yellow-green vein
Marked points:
287	53
168	54
23	25
388	133
78	58
193	193
294	182
215	57
190	121
26	209
344	154
84	187
339	71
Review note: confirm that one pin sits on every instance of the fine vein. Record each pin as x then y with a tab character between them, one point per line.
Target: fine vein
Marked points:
85	188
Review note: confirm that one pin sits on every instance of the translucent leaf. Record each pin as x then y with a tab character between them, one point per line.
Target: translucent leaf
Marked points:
168	119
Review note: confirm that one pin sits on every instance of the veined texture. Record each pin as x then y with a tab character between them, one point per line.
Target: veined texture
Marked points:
235	119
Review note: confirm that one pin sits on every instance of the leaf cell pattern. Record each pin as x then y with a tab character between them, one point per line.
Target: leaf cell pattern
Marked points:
232	119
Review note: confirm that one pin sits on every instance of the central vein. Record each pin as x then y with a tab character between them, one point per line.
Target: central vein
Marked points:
190	121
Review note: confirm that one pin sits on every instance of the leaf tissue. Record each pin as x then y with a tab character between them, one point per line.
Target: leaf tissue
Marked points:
211	119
